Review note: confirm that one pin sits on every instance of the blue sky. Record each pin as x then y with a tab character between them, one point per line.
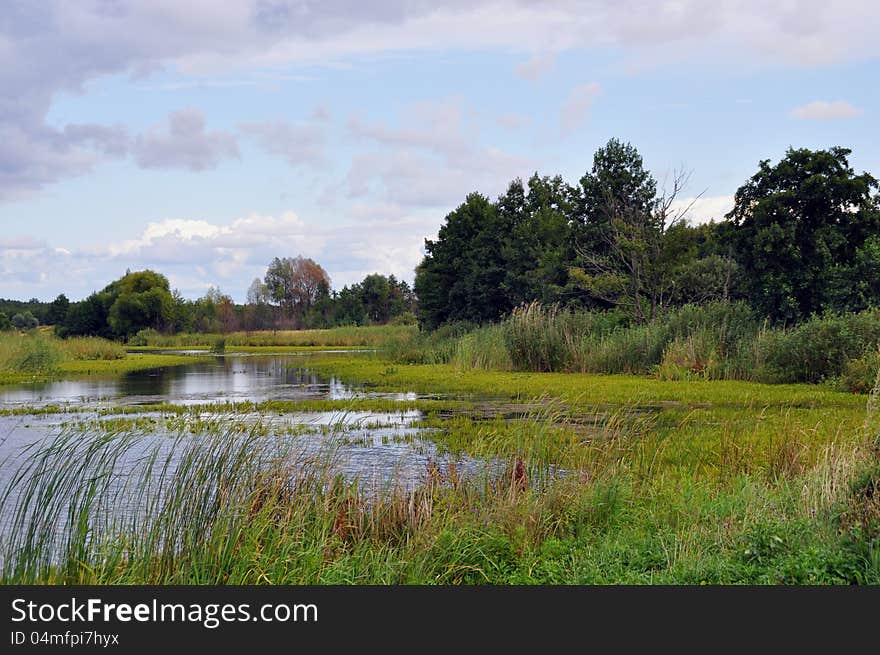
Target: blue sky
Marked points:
202	139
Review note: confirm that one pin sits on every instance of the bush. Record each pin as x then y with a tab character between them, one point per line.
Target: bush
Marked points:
38	355
406	318
862	374
818	349
145	337
92	348
25	321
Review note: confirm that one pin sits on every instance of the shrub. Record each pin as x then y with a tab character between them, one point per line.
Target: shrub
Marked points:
38	355
862	374
818	349
25	321
92	348
145	337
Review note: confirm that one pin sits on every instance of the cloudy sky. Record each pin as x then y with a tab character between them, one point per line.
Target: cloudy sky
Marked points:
203	138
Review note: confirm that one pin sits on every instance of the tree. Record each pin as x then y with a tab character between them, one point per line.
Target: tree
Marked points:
87	317
294	283
257	314
804	232
134	302
537	249
462	275
140	300
631	245
24	321
4	322
57	311
618	178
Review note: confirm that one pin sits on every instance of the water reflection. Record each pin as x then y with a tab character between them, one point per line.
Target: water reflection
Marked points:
231	378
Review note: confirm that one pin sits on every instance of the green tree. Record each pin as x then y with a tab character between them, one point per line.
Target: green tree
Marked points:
24	321
4	322
538	246
632	243
295	283
462	275
617	179
57	311
140	300
804	234
88	317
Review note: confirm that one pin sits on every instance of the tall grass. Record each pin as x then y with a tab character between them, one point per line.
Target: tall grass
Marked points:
716	341
368	336
40	354
628	498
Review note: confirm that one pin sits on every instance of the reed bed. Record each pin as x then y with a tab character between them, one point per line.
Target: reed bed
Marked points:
716	341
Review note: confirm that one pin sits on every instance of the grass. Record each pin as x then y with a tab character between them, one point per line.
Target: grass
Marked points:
39	357
595	479
716	341
351	337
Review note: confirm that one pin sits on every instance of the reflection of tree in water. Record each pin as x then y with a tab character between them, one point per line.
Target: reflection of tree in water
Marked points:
303	377
154	382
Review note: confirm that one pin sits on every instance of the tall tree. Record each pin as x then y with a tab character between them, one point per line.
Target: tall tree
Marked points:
804	233
633	265
537	249
139	300
462	274
295	284
57	310
617	179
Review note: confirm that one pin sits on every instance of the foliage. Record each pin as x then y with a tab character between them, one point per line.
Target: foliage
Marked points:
296	283
817	349
805	234
462	275
25	321
137	300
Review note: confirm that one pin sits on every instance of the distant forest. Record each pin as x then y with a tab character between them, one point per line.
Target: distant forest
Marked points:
803	239
294	294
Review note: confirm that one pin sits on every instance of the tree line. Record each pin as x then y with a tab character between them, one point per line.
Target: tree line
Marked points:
294	294
803	238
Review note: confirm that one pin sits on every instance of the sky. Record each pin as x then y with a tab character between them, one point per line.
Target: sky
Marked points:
201	139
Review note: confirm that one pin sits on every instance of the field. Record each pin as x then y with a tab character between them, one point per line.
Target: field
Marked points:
587	479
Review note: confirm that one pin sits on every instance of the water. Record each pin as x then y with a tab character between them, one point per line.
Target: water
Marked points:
224	379
382	450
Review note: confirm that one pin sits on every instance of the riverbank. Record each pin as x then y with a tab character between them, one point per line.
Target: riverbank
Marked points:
37	357
594	479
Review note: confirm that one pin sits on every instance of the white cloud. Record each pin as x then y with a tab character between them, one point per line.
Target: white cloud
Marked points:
298	144
820	110
576	107
432	158
703	209
513	122
536	66
184	143
195	254
59	46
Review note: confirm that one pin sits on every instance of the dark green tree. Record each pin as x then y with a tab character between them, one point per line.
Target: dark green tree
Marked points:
140	300
462	275
538	247
804	233
618	178
57	311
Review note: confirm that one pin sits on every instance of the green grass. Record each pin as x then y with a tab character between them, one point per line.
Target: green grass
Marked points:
352	337
716	341
40	357
665	482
